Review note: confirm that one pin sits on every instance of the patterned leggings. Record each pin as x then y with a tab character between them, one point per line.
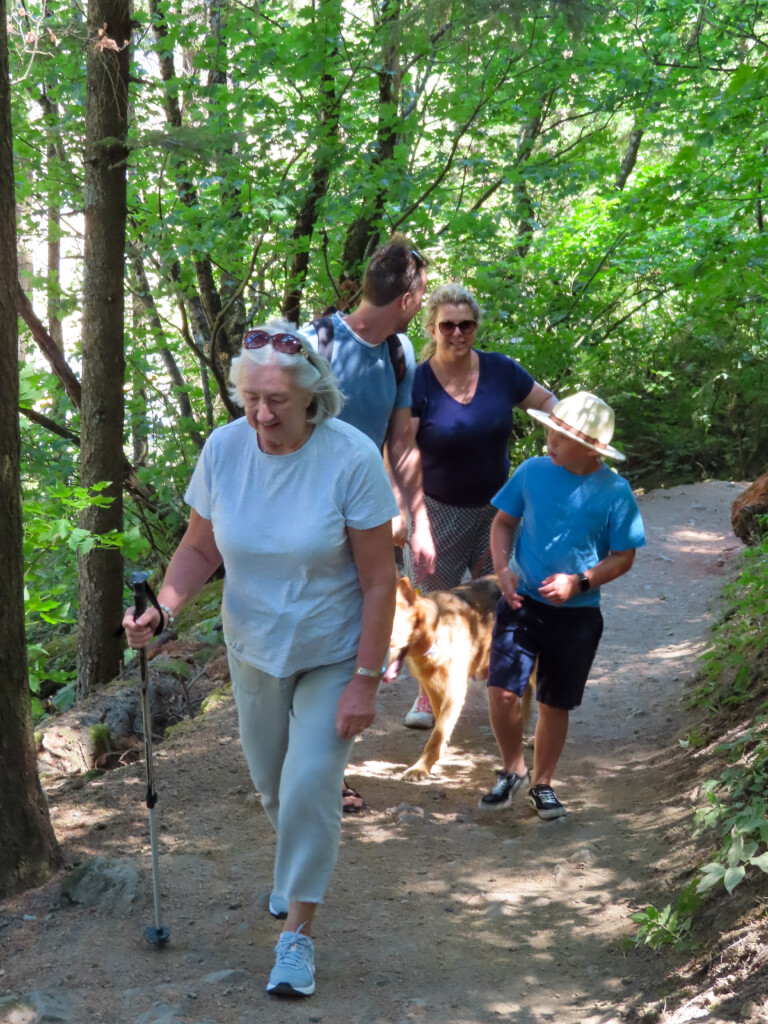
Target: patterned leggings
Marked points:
462	538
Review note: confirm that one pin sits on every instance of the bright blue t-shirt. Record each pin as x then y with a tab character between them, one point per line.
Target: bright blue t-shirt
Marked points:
465	448
367	378
569	523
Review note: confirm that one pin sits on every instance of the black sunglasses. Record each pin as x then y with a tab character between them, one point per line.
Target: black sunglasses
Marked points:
287	343
420	262
447	327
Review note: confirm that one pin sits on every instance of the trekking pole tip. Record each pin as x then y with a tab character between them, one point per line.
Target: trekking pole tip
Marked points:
157	936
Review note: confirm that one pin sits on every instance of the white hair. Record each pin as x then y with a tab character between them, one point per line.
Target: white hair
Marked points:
313	374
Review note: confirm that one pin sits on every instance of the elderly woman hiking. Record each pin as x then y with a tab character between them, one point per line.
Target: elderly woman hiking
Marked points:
298	507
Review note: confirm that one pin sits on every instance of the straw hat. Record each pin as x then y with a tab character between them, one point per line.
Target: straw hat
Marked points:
584	417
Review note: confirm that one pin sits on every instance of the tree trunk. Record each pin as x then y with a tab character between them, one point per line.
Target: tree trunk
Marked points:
630	159
325	153
54	254
54	168
363	234
145	298
523	202
101	570
208	300
29	852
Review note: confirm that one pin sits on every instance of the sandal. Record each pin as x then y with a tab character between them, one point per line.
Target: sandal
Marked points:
351	801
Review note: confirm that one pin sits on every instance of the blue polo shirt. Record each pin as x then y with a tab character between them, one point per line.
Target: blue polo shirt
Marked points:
367	378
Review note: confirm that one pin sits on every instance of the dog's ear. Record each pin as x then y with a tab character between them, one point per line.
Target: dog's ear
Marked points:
406	589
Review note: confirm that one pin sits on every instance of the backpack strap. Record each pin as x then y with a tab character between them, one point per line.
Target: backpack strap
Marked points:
397	357
324	330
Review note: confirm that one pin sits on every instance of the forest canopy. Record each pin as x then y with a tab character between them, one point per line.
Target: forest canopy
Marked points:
594	172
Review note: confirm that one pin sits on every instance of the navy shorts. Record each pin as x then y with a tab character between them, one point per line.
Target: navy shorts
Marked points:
564	640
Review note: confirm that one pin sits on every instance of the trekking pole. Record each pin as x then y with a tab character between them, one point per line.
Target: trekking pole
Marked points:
156	934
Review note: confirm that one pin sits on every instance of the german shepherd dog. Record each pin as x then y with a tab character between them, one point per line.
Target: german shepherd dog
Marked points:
445	637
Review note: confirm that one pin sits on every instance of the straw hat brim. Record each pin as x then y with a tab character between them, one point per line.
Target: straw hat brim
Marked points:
607	450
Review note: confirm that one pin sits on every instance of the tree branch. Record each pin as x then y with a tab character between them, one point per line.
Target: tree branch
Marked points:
49	348
448	163
52	425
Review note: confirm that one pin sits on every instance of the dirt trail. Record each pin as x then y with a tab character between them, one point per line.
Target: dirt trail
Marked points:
436	913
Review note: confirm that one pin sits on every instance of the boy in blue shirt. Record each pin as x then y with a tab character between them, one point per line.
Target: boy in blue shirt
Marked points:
579	529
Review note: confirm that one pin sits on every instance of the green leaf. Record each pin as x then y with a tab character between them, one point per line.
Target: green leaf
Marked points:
711	875
761	861
733	876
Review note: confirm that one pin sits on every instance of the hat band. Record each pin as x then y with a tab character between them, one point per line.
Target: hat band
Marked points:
578	433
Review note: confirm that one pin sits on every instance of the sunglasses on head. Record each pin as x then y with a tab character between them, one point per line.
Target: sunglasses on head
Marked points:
447	327
420	263
287	343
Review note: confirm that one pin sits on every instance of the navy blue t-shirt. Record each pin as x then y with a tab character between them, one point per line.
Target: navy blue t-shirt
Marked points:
464	448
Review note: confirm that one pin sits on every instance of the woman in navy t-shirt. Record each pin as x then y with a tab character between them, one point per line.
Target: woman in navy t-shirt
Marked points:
462	408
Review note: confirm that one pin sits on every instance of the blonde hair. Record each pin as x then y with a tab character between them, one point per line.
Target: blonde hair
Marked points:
313	373
451	294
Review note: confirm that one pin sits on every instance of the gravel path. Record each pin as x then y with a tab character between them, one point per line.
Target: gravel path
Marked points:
436	913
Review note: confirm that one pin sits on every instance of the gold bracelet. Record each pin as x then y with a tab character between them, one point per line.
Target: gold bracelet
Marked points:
369	673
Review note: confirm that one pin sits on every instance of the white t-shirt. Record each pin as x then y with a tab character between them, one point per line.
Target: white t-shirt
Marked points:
292	598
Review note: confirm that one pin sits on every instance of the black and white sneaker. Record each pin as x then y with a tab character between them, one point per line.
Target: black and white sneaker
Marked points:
502	794
543	800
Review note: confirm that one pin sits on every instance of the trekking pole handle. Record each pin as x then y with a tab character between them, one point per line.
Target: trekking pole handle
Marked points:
139	584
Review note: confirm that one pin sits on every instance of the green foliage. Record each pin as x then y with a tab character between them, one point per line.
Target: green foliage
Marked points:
670	926
494	134
735	810
173	667
100	738
732	870
728	678
201	618
216	699
52	541
508	125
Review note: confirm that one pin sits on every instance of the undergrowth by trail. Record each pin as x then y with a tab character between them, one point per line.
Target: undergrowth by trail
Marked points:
729	742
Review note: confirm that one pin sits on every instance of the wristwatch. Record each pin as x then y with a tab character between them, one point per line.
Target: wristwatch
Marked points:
583	583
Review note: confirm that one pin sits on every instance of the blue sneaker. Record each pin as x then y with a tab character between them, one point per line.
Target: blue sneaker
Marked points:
294	970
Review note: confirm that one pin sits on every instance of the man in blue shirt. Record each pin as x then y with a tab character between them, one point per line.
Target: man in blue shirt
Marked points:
579	529
377	402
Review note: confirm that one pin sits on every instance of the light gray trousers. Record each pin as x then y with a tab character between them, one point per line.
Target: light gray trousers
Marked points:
296	761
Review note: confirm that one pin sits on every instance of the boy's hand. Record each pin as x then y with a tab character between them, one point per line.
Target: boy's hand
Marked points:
508	583
559	588
399	531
